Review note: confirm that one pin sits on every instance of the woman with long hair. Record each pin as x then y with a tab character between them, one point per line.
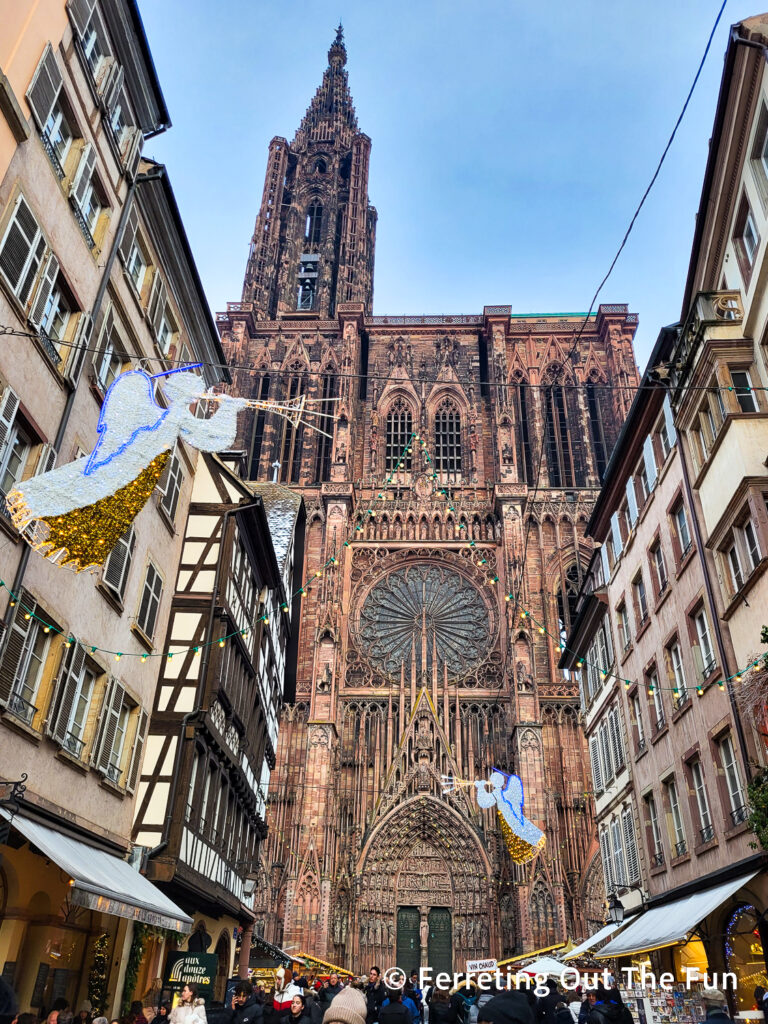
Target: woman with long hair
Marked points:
191	1009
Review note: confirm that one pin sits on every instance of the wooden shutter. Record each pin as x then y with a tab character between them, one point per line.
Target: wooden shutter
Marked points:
80	12
649	458
670	421
44	289
138	750
15	648
83	175
631	501
72	665
22	250
172	487
119	562
630	846
129	233
618	544
46	459
617	746
157	301
110	716
113	83
45	87
9	406
594	755
79	349
132	151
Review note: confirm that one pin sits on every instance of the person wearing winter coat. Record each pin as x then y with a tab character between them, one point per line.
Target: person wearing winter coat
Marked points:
603	1010
313	1006
247	1007
393	1011
716	1007
441	1010
191	1009
507	1008
330	991
374	995
547	1003
407	1001
297	1013
563	1014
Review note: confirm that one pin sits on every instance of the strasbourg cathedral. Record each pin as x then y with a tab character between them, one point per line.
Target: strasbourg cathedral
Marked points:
411	663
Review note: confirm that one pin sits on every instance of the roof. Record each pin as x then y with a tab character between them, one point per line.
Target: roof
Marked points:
282	506
126	31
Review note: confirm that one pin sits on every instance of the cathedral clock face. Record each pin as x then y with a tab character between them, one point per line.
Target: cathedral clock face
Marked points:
420	611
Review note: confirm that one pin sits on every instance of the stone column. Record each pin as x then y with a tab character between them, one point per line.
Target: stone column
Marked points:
424	936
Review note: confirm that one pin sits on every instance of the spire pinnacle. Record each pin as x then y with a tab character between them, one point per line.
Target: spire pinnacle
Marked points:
337	55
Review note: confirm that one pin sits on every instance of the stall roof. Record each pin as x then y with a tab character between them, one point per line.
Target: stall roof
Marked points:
534	953
100	880
594	940
672	922
544	965
312	960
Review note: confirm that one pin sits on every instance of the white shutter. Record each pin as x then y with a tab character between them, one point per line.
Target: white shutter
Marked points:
129	234
132	151
606	563
594	755
138	750
630	846
79	349
15	648
44	289
105	347
80	12
44	88
650	462
617	745
619	871
46	459
110	717
631	501
22	250
605	854
157	301
72	665
118	563
112	85
616	534
670	421
9	406
83	174
605	751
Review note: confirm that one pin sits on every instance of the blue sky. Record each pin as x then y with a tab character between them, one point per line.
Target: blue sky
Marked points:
511	140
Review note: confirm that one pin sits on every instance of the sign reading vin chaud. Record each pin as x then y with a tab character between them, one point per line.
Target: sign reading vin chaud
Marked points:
192	968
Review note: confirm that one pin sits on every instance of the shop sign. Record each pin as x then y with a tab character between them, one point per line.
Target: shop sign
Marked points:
191	968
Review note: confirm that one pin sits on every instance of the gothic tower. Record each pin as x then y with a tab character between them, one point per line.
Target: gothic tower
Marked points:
312	247
412	662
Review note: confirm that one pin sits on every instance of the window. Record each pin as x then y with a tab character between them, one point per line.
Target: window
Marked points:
659	568
559	455
92	47
21	251
658	703
59	133
523	432
702	801
25	655
314	224
257	441
678	677
678	832
597	432
683	533
68	715
172	486
733	780
625	634
326	423
163	324
746	238
15	447
118	563
448	440
607	859
597	771
653	818
137	265
293	437
705	643
150	601
80	707
734	567
664	441
111	353
742	386
641	600
751	544
56	315
617	743
307	281
399	430
645	490
638	715
619	871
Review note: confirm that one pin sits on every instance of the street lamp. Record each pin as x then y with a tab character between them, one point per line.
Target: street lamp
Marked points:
615	909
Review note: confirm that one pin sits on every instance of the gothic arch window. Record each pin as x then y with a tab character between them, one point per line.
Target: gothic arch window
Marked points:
567	599
325	443
399	430
542	909
597	428
448	441
560	464
257	438
314	224
522	402
292	438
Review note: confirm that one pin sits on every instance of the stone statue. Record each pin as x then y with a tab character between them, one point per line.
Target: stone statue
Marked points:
424	932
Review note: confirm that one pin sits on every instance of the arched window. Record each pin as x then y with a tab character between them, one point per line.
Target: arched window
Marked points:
596	430
399	430
559	453
567	600
314	224
523	432
542	916
257	438
448	440
290	447
325	444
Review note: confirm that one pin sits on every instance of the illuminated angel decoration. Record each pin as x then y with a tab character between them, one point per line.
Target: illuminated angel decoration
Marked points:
523	839
74	515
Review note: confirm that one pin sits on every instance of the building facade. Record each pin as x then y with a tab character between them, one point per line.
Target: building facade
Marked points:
412	665
95	276
200	812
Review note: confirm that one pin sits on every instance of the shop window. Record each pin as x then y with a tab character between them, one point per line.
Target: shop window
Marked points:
744	954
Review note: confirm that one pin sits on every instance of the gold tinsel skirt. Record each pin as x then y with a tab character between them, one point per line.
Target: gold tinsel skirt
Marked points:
519	849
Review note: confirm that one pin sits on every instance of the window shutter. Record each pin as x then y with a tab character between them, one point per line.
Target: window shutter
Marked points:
46	459
44	289
72	665
605	562
618	544
110	716
605	853
632	501
630	846
132	151
616	743
172	487
23	249
45	87
18	635
650	462
79	349
597	775
118	562
83	174
619	871
101	362
9	406
605	751
129	234
80	12
157	300
138	750
669	419
112	85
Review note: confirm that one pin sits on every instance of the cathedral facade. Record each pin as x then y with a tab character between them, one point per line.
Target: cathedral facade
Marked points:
451	496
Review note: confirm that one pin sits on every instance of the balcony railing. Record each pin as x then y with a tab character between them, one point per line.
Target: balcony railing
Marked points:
83	225
681	848
641	745
50	349
707	833
658	858
708	668
21	708
113	773
740	814
709	309
681	701
53	156
73	745
661	721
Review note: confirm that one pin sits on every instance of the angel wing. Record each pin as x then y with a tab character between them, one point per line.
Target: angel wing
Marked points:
130	401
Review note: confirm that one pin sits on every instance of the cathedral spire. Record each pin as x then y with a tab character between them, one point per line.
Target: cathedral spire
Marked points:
331	116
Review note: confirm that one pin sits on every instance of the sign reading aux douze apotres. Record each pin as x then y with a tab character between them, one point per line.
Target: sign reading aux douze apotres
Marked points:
191	968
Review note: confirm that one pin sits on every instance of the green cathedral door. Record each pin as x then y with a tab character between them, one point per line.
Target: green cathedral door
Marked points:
440	947
408	941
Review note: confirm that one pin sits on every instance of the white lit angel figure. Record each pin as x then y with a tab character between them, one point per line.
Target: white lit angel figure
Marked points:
75	514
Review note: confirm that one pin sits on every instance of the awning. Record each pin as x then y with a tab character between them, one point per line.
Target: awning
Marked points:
312	962
594	940
546	965
100	880
671	922
532	955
